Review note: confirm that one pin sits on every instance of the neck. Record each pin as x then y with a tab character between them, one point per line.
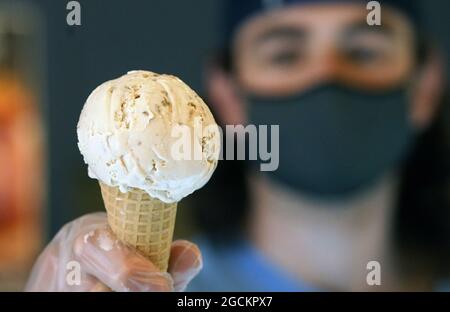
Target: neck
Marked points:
327	244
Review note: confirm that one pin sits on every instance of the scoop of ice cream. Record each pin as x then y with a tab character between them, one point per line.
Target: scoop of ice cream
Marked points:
149	131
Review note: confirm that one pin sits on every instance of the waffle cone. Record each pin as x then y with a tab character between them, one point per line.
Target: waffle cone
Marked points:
141	221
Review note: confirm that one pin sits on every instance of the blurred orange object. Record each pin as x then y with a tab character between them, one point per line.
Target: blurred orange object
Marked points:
21	175
22	178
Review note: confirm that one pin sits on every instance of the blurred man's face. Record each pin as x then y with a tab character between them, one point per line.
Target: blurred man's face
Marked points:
338	88
295	48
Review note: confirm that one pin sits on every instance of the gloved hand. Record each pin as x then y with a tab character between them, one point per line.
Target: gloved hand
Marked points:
86	256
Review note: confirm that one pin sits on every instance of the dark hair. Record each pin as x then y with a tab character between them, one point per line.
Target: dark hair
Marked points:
422	218
423	214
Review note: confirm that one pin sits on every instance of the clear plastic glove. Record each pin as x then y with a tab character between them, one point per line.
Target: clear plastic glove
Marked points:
86	256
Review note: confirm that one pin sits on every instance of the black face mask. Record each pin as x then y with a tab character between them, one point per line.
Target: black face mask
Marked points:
335	141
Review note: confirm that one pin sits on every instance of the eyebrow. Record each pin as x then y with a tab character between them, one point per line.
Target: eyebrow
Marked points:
282	32
363	27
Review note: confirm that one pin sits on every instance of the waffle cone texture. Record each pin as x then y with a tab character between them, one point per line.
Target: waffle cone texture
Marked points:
142	222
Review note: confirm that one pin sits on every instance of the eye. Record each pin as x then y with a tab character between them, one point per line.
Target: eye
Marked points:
367	49
364	55
285	57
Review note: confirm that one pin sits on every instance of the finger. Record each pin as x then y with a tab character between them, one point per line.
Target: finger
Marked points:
98	286
185	263
89	284
116	265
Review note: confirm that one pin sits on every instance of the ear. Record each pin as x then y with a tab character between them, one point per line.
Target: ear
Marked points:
224	96
428	91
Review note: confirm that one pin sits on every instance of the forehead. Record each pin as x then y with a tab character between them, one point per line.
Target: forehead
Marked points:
319	18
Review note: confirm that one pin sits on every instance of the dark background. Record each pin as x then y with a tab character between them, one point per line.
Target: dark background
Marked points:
167	36
115	37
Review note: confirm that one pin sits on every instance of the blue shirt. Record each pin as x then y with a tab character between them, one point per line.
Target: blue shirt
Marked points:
241	267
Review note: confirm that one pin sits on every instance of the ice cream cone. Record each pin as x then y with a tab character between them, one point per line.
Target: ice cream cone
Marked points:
126	135
141	221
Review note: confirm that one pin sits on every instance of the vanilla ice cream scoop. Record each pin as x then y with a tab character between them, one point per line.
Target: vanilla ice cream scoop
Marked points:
149	131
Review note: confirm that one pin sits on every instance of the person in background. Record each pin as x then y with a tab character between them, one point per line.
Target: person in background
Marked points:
364	166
